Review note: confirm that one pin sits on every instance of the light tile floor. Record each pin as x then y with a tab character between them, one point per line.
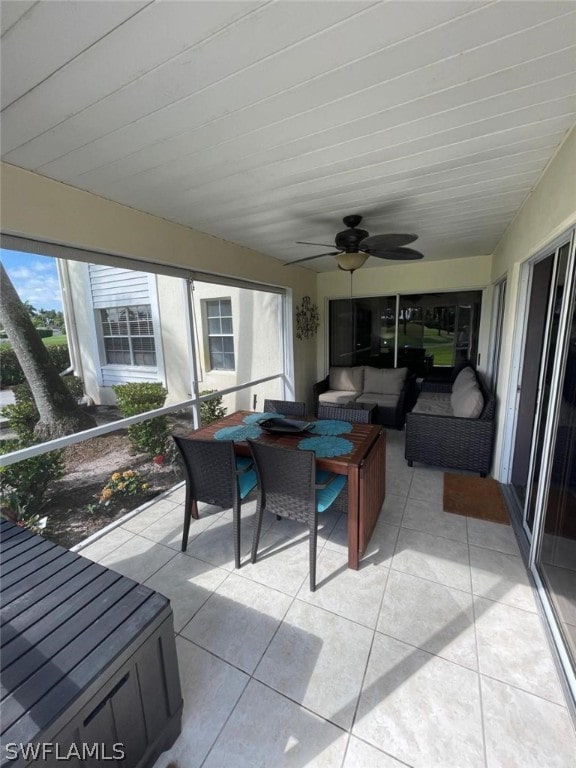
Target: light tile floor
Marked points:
431	654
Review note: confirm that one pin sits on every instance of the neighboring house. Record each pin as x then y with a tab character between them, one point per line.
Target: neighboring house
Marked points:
129	326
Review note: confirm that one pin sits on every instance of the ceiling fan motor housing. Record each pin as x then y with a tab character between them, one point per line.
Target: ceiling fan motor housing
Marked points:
349	239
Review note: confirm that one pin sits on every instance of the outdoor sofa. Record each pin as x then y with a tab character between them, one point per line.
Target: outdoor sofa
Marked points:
389	389
453	424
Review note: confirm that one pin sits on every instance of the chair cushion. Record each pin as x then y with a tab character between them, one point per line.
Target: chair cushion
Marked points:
347	378
326	496
246	481
338	397
243	462
467	402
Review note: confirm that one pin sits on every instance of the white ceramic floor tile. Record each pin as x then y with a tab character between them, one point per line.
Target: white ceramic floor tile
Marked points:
513	648
380	548
317	659
215	545
268	730
501	577
398	478
428	516
106	544
420	708
138	558
362	755
188	583
238	621
167	530
428	485
355	595
482	533
392	509
210	689
525	731
430	616
433	557
282	564
149	515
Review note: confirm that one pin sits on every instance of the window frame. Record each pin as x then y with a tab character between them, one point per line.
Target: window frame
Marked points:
208	336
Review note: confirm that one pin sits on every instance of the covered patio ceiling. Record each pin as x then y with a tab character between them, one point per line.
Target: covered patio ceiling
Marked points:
264	123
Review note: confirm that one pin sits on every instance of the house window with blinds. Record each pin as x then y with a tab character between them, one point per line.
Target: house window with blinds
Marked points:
220	334
128	335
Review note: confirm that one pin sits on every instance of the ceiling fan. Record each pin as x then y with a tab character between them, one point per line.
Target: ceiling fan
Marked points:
355	246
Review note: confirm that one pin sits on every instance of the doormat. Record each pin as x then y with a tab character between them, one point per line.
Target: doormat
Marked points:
478	497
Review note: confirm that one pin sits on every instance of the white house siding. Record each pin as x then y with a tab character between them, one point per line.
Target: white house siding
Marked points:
256	319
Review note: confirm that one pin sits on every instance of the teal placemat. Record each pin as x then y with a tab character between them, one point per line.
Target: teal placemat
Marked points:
254	418
330	427
238	433
326	447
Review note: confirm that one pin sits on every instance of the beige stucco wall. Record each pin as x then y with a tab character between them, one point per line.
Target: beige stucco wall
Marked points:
37	207
548	213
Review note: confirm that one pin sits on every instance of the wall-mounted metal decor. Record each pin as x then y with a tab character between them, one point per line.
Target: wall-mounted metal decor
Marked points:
307	319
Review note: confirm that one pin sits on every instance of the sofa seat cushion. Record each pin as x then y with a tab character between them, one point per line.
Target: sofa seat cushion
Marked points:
384	401
347	379
384	381
338	397
433	403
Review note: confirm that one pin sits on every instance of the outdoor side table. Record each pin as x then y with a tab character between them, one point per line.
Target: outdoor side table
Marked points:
88	660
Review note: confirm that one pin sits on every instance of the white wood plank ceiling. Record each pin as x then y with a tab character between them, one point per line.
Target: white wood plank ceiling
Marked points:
266	122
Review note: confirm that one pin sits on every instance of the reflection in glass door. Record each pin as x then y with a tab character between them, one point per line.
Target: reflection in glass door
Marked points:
557	564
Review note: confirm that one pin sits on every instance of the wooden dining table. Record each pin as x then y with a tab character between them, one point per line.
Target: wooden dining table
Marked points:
364	466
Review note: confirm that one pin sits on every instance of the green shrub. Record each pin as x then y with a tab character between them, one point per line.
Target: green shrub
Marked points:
150	436
211	410
11	373
44	333
129	483
24	485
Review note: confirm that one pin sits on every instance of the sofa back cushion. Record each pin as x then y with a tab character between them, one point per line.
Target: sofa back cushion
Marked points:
347	379
466	377
467	401
384	381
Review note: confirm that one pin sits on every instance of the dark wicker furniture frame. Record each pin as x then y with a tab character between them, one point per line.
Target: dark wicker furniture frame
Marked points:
356	415
287	488
450	441
211	477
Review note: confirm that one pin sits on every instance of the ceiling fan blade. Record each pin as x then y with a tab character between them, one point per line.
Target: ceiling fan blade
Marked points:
309	258
322	245
396	254
386	242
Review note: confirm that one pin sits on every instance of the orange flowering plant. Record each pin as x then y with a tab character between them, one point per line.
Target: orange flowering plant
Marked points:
129	483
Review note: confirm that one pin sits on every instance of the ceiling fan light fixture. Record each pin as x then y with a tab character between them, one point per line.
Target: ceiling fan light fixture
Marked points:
351	261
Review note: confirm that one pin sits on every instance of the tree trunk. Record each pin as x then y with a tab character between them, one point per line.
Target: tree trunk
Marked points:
59	412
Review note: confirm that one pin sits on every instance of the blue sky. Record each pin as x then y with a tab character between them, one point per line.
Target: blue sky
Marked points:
34	277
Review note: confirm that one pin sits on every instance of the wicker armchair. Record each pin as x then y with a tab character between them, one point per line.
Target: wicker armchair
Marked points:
289	486
358	415
285	407
451	441
216	476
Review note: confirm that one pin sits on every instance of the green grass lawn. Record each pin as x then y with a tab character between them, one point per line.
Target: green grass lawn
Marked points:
49	341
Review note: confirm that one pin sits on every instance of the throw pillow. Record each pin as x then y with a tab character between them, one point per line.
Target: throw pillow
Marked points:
467	402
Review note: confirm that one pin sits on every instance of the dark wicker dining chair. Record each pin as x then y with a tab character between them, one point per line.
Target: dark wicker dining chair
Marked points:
290	486
358	415
214	475
285	407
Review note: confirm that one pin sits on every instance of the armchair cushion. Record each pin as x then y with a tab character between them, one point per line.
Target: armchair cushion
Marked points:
349	379
467	402
384	381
